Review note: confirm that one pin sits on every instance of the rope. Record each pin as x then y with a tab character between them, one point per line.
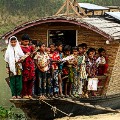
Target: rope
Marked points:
55	109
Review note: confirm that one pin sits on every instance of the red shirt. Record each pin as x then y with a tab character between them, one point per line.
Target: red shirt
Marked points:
28	65
55	57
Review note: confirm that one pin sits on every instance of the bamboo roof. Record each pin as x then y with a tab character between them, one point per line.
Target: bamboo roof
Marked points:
107	28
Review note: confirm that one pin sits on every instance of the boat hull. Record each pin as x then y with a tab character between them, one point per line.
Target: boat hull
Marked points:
38	110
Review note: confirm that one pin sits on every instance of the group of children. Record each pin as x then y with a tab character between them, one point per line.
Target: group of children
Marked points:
53	71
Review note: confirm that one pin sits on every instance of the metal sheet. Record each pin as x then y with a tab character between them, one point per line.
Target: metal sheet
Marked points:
92	6
115	15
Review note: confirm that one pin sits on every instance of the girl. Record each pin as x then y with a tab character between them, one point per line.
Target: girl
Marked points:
12	57
91	67
28	68
56	68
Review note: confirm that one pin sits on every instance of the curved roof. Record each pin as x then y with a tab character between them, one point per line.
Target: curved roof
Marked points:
106	28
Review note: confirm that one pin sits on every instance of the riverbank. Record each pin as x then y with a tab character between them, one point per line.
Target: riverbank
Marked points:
110	116
5	93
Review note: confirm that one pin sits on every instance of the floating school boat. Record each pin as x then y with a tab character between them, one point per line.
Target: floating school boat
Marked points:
81	23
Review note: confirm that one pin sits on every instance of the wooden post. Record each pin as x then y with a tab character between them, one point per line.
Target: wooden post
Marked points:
69	5
67	10
61	8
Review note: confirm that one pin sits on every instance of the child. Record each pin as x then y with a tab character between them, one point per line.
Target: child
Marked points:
91	66
59	48
49	87
42	62
82	76
68	66
28	68
102	61
12	57
93	50
75	78
84	47
55	58
53	65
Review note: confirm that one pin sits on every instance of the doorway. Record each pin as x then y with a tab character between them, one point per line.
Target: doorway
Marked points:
67	37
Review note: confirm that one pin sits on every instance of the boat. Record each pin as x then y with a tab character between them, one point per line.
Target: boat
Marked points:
50	109
96	27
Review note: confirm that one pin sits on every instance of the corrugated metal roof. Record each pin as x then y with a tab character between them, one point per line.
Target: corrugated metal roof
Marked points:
115	15
92	6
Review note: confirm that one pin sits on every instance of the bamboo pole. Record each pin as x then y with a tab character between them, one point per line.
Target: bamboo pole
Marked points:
75	10
61	8
71	6
67	10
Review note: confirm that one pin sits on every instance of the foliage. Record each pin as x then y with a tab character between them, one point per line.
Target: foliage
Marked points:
41	7
103	2
31	7
9	114
16	12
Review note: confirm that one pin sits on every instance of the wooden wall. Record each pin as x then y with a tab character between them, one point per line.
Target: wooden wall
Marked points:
83	36
114	85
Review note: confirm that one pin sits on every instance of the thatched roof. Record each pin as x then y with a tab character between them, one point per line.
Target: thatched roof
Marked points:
107	28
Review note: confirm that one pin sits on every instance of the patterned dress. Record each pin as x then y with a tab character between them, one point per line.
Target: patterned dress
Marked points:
28	65
91	68
28	72
55	57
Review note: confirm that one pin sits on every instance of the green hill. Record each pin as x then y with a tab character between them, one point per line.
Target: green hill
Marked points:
15	12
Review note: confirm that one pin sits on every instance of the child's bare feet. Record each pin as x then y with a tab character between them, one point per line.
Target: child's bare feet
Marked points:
86	95
13	97
30	97
26	97
67	96
18	97
44	97
56	95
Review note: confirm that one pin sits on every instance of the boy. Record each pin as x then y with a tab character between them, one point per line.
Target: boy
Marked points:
68	67
42	62
82	76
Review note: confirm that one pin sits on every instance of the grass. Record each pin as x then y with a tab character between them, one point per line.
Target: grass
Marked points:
8	22
5	91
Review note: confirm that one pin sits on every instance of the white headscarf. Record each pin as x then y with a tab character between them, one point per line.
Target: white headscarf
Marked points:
13	54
